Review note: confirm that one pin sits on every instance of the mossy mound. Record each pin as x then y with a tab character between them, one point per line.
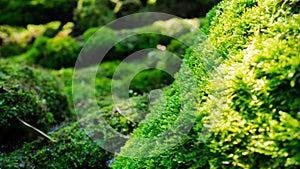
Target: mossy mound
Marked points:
249	102
261	75
54	53
74	149
31	96
77	145
17	40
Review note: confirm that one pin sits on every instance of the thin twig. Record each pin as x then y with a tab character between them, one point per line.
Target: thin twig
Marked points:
37	130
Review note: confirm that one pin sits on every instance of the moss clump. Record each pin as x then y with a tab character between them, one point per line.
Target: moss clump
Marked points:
33	97
54	53
74	149
77	145
17	40
57	52
249	102
172	115
259	128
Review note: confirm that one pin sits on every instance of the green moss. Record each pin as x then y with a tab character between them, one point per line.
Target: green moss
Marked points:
17	40
165	115
77	145
74	149
54	53
262	117
34	97
148	80
58	52
250	103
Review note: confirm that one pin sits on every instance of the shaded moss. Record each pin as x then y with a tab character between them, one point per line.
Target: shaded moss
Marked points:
32	96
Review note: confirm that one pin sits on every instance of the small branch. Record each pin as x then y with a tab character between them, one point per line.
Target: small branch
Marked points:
118	110
37	130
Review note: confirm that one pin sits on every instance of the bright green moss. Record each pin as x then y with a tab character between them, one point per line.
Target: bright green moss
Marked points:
253	96
58	52
17	40
54	53
261	118
163	117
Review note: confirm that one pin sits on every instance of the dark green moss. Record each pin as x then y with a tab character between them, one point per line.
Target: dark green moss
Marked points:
23	12
74	149
32	96
77	145
91	13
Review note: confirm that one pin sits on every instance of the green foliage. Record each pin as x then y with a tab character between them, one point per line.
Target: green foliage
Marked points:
11	44
92	13
243	99
34	97
11	50
97	40
135	43
127	7
180	45
23	12
231	31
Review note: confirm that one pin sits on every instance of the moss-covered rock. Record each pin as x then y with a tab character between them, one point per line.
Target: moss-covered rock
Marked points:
17	40
181	101
250	101
55	53
259	128
74	149
77	145
31	96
